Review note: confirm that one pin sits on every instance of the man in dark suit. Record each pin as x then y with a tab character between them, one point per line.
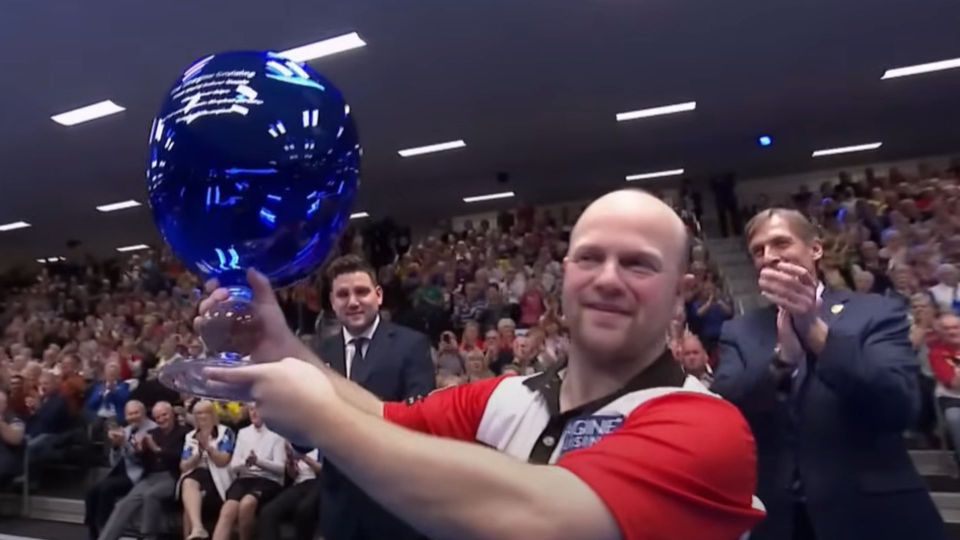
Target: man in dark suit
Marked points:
827	380
390	361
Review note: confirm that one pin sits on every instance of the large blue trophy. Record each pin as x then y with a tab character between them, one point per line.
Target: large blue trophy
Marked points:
254	163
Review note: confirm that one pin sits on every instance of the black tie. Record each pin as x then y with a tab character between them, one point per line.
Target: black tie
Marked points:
358	344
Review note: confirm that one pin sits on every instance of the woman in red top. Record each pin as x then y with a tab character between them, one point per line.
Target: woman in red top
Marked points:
470	339
531	304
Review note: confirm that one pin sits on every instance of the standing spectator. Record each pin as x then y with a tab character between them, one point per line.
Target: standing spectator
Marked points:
390	361
945	361
945	291
11	441
126	468
205	468
298	501
258	463
707	313
159	450
797	370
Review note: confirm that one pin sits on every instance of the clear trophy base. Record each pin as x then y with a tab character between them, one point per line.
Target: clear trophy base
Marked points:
230	331
187	376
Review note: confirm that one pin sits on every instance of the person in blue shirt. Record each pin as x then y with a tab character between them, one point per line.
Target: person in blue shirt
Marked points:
706	314
109	396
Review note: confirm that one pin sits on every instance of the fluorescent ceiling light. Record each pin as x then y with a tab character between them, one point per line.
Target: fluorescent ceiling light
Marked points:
490	197
657	111
655	174
14	226
136	247
319	49
122	205
906	71
85	114
359	215
847	149
429	149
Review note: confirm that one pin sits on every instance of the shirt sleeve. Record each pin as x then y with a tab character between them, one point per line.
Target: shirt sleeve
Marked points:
681	466
454	413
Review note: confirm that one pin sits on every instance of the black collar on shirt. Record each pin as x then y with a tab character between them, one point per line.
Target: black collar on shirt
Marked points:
664	371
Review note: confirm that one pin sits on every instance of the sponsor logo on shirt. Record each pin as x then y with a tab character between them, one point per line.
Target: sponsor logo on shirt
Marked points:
587	431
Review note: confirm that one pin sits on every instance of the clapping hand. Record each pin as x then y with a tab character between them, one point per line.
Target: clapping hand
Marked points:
203	440
115	436
251	459
791	287
791	351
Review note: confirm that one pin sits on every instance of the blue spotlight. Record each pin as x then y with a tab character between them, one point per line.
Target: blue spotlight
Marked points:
765	140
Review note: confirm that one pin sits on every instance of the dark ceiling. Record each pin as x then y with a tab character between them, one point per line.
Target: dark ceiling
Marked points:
532	86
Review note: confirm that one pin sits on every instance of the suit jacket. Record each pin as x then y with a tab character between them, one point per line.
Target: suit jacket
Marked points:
126	457
832	434
396	367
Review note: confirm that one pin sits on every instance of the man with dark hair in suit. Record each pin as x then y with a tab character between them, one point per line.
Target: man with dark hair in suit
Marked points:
393	363
828	382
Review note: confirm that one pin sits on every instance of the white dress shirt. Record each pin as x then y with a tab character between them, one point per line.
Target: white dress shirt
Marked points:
349	351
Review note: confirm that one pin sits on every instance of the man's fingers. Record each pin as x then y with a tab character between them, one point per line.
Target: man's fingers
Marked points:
260	285
797	271
237	375
211	285
215	297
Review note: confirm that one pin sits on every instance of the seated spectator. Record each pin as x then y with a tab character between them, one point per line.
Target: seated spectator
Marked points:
903	284
298	502
555	344
502	351
945	291
526	355
863	281
205	468
531	304
49	418
19	394
108	397
258	463
695	360
470	339
449	357
126	468
468	306
496	308
477	368
11	441
73	388
923	315
159	450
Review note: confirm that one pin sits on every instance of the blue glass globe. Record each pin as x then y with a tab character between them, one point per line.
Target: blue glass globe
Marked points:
254	162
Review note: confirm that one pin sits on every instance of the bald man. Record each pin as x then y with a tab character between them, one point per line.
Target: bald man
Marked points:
618	443
126	470
159	450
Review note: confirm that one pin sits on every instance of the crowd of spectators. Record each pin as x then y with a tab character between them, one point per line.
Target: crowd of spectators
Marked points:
82	344
898	235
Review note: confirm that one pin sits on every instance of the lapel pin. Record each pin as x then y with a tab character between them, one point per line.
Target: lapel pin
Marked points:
836	309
